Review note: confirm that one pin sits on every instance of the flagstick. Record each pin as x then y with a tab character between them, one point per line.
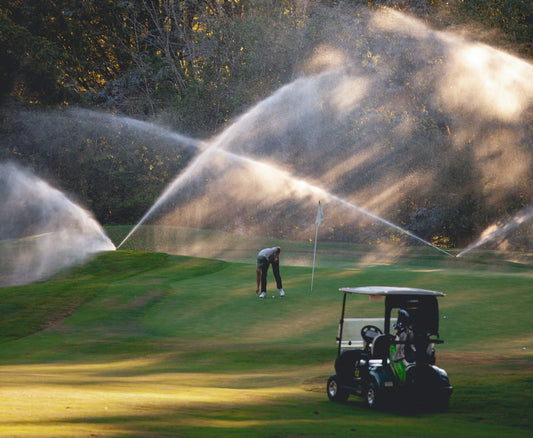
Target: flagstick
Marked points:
318	221
314	255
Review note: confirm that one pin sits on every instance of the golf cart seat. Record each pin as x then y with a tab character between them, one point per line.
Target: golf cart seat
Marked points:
381	346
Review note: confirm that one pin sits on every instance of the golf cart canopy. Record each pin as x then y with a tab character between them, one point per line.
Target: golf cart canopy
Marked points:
421	305
385	290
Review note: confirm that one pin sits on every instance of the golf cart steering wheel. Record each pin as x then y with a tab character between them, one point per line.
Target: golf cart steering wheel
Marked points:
369	332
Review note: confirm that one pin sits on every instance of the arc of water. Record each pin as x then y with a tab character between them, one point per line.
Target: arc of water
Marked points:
179	181
160	131
323	193
299	184
147	127
240	127
502	227
233	131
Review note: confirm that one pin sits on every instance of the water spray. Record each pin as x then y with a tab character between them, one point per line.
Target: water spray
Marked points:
49	232
323	193
179	181
499	229
235	130
374	105
298	183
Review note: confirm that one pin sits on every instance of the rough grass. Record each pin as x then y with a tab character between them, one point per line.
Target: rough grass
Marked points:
146	344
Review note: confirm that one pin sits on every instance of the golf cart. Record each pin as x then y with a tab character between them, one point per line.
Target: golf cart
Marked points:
391	359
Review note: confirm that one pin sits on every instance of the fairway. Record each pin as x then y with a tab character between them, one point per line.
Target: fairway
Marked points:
140	344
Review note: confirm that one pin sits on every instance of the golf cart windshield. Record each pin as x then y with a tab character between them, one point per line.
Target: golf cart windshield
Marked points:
420	305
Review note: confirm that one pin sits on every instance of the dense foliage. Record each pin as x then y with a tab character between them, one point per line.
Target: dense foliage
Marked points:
201	60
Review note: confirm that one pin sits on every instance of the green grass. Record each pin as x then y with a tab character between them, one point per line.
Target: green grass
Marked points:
141	344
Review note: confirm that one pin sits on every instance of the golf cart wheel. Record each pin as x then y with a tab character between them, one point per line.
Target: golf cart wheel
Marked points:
373	396
335	392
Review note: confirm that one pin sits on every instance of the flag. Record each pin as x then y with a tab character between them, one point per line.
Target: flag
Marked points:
319	215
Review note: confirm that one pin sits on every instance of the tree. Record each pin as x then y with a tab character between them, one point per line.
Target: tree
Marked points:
30	66
59	49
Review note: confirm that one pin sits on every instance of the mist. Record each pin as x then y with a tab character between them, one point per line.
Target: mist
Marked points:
424	129
41	230
387	114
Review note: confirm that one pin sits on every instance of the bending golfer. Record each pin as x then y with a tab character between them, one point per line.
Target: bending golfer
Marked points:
265	258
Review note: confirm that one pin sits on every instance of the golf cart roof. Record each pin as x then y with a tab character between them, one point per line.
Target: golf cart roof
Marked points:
389	290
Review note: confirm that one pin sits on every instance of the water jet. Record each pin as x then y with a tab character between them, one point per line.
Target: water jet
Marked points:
41	230
295	186
499	229
387	117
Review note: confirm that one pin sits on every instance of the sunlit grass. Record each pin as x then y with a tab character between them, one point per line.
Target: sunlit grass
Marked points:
126	398
66	399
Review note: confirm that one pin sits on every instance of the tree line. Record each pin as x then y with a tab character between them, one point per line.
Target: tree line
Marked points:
144	57
199	59
193	65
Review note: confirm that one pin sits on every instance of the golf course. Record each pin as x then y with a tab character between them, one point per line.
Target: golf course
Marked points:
155	154
146	344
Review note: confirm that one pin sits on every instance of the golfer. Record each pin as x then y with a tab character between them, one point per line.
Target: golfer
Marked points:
265	258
